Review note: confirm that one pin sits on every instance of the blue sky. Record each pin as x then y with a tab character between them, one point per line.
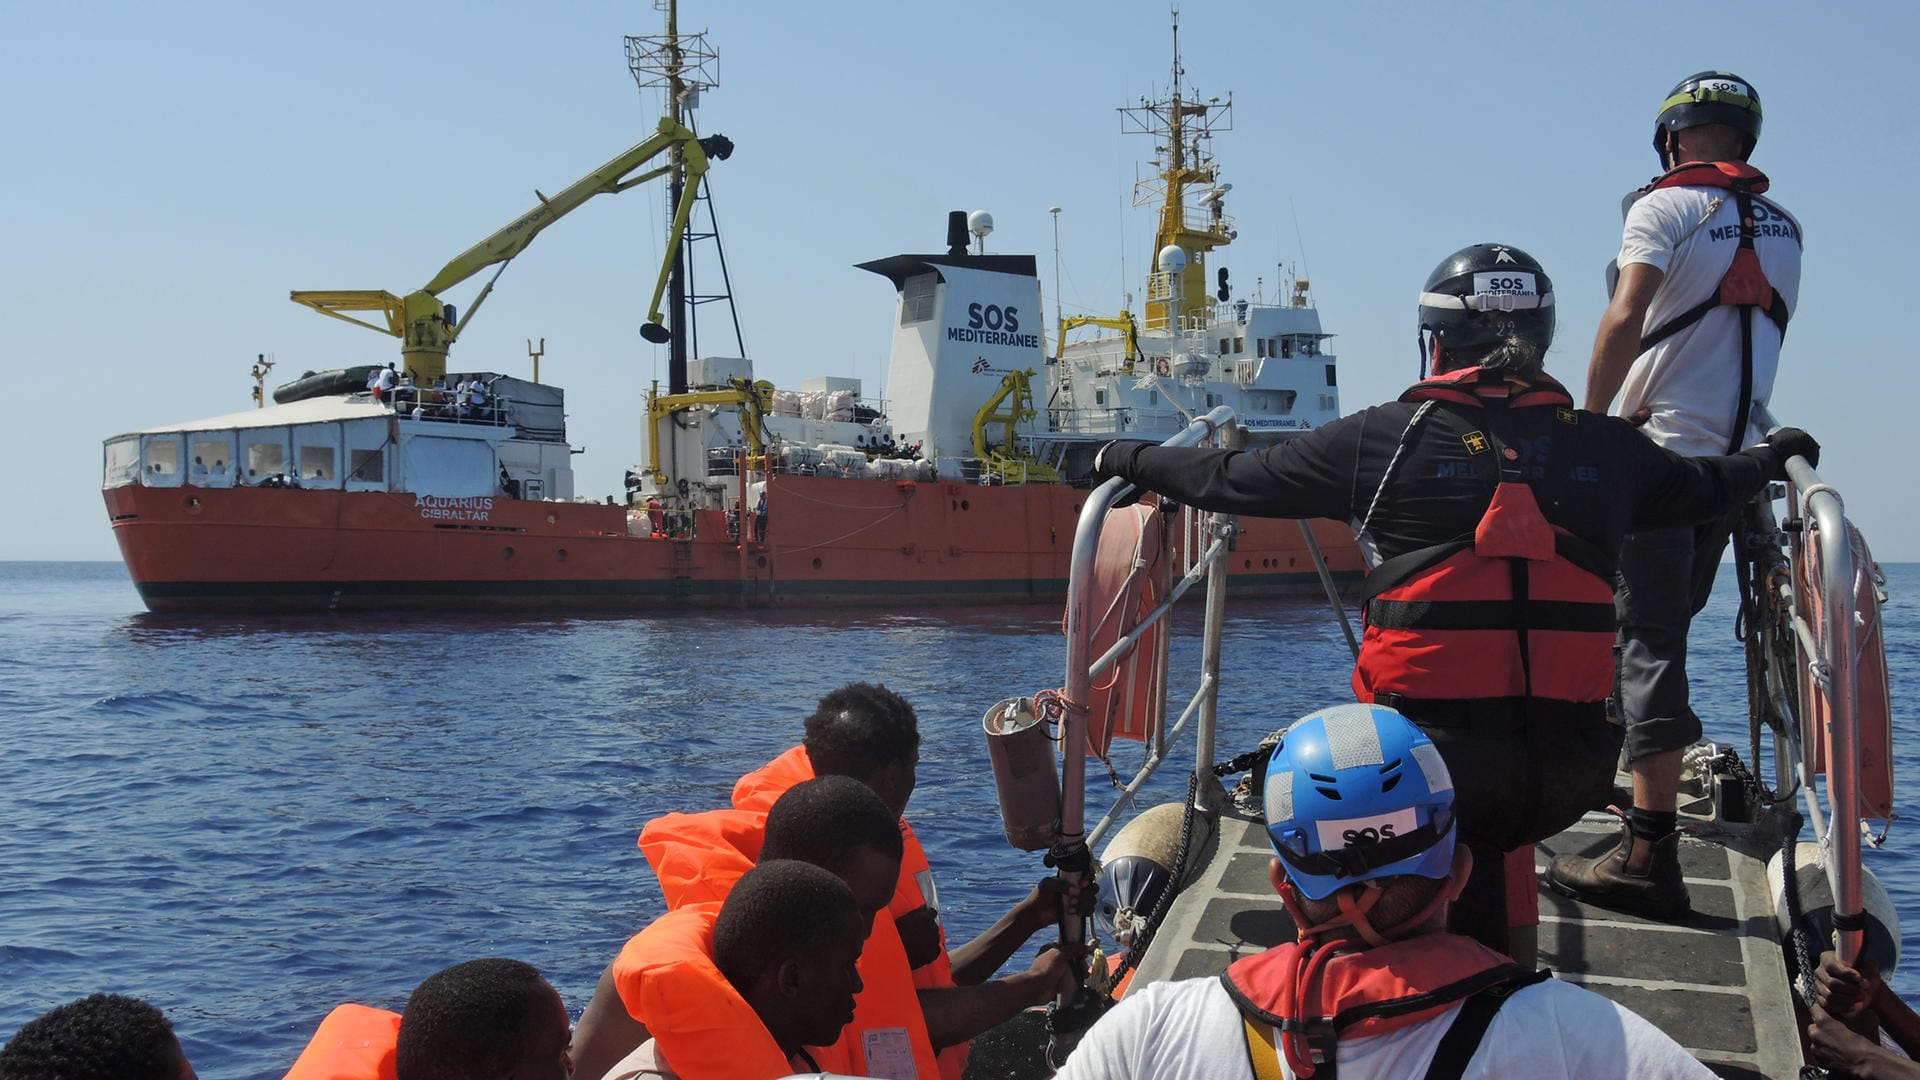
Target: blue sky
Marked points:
171	171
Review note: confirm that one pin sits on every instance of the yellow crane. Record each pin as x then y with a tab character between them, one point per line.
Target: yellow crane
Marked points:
427	326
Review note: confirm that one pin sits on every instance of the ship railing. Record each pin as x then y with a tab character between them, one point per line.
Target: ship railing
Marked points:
1204	564
441	406
1804	660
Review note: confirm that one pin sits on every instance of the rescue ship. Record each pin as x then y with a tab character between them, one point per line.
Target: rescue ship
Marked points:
448	487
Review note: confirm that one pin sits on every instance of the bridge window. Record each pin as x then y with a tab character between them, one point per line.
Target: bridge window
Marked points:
916	299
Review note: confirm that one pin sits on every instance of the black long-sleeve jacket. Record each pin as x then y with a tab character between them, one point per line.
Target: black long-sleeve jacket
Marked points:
1595	476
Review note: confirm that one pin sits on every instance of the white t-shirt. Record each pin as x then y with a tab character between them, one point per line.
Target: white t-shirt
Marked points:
1691	380
1191	1030
642	1064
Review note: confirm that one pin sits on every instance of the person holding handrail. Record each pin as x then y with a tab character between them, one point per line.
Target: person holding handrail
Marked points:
1708	274
1489	510
1851	1009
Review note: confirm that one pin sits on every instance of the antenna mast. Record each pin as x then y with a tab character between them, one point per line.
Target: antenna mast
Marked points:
1185	126
682	66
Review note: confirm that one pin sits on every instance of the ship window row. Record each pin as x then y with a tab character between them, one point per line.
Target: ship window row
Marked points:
1284	346
253	457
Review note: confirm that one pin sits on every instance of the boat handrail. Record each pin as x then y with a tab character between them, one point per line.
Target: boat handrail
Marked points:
1829	649
1080	620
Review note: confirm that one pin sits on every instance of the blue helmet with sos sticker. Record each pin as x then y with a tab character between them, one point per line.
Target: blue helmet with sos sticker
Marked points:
1354	793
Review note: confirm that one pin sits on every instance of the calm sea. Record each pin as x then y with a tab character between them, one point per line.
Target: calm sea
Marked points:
249	821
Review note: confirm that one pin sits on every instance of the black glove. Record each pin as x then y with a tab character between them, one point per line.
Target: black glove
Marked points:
1792	442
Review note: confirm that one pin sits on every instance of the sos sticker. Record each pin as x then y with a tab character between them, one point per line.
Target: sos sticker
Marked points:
1506	283
1366	831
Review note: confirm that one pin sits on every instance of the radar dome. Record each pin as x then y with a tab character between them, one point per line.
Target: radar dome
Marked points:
980	223
1173	259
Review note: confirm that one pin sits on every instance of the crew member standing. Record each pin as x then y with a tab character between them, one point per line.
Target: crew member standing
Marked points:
1489	510
1709	271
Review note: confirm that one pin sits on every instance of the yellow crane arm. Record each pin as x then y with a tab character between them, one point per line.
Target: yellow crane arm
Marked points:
422	321
1122	322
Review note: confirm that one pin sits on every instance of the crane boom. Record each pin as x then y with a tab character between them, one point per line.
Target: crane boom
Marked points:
426	325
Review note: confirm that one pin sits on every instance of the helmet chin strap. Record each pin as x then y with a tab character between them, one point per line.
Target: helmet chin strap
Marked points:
1432	355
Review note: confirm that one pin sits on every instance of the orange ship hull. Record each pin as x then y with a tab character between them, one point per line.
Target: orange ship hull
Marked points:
829	542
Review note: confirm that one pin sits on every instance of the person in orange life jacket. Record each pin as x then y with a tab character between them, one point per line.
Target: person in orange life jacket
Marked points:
835	823
777	974
104	1035
1479	476
1708	274
492	1017
871	734
1359	809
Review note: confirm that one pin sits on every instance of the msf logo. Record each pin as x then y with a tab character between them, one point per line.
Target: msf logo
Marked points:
981	366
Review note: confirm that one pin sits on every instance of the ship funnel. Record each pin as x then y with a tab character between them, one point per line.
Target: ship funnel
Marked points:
957	232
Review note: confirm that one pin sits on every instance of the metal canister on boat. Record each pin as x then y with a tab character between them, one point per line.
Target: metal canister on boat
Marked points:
1023	775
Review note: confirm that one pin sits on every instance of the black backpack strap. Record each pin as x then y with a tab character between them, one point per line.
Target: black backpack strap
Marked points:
1470	1025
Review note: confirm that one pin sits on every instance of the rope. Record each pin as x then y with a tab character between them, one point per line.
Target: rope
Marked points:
1796	930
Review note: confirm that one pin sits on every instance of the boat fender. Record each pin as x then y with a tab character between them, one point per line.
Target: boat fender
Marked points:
1137	867
1881	942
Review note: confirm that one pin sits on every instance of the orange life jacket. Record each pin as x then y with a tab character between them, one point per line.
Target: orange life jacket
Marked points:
354	1042
1371	991
761	788
1745	285
703	1027
1520	608
699	857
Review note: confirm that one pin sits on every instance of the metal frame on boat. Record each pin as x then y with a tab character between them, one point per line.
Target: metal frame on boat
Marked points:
1805	663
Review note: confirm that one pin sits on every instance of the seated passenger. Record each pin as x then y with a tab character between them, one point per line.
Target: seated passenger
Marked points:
869	733
491	1017
834	823
104	1035
199	468
742	991
1375	986
219	466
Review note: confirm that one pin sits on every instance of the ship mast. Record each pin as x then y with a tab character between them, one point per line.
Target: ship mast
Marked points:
1178	298
681	66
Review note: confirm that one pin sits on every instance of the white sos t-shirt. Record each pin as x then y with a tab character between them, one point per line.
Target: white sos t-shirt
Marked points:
1691	380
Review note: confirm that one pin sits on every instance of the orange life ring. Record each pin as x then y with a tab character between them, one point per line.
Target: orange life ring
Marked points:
1132	571
1873	700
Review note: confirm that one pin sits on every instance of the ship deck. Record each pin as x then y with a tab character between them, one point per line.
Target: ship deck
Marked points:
1717	984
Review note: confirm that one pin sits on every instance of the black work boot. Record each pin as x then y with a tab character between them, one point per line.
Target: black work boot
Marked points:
1603	880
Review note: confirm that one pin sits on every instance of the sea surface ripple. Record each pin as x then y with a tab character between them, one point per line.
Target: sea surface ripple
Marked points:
248	821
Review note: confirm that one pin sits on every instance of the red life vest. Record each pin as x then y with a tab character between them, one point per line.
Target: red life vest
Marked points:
1744	285
1519	608
1371	991
354	1042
